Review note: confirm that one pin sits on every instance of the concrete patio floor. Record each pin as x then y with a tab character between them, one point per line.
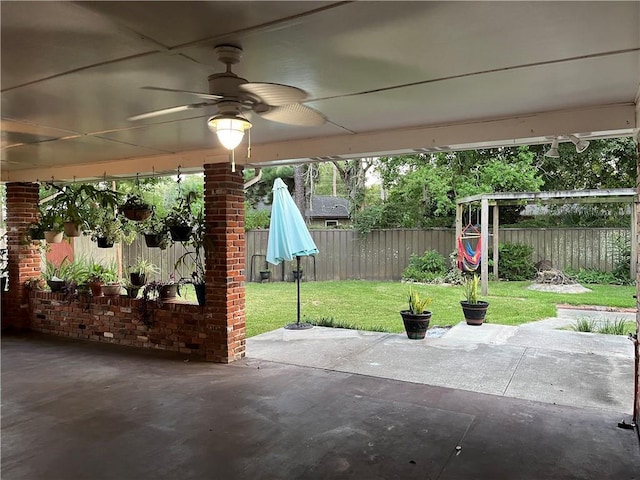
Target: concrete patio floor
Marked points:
76	410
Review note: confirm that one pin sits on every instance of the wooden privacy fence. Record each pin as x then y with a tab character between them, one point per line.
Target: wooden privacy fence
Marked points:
384	254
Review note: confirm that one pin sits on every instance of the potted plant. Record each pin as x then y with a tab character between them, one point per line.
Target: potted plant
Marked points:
99	274
194	259
155	232
111	289
80	202
53	275
180	219
110	229
136	209
139	271
50	224
265	275
474	310
132	290
416	318
36	231
160	290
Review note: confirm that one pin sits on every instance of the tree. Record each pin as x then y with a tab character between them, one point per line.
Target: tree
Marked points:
354	174
422	189
609	163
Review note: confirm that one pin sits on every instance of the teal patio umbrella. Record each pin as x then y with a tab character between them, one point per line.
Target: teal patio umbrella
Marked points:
288	236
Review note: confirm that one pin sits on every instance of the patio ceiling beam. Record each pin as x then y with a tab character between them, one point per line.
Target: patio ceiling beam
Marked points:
526	129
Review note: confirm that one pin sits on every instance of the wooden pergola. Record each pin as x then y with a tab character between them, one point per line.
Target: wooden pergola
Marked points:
494	200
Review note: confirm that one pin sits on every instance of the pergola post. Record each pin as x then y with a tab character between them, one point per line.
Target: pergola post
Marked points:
24	256
225	263
484	235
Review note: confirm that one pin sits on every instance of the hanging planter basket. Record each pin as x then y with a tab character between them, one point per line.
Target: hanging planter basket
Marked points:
104	242
36	233
71	229
180	233
53	236
136	213
153	240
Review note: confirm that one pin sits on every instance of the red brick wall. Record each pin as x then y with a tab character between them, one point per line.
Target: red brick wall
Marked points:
176	326
225	263
24	256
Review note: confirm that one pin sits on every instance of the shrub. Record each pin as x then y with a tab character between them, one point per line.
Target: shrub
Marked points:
592	276
369	218
515	262
622	255
429	267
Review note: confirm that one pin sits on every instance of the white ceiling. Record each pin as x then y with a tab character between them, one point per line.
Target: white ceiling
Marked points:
389	76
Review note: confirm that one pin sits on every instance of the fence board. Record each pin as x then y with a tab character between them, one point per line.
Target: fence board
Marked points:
384	254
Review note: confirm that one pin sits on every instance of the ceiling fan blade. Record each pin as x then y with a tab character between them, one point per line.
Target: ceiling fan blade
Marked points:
207	96
294	114
274	93
166	111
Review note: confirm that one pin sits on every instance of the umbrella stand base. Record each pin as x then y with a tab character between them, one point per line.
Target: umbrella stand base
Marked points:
299	326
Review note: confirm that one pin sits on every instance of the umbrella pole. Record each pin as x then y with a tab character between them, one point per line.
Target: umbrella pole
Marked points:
298	281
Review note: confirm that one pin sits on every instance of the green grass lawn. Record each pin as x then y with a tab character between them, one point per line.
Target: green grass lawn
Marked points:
376	305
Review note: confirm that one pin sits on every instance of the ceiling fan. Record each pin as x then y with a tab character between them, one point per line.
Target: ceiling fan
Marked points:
234	96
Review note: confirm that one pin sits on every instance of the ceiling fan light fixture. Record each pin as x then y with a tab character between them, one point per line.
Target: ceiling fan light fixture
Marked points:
229	129
581	145
553	150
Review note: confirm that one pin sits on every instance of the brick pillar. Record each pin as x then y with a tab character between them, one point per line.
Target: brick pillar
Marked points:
24	256
225	263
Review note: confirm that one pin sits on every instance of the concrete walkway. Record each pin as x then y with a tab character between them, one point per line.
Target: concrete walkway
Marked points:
535	361
75	410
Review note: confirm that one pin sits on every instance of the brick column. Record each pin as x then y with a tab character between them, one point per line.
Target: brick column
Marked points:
24	256
225	263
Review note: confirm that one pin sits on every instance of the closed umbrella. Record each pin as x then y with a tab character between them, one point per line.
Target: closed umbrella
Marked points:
288	236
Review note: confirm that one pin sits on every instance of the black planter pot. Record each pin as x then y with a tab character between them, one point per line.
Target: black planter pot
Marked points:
152	240
56	286
416	325
180	233
103	242
36	234
138	279
474	313
297	274
200	289
132	292
168	291
265	275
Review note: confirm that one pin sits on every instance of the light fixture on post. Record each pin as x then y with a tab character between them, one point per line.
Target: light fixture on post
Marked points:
553	150
229	128
581	145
